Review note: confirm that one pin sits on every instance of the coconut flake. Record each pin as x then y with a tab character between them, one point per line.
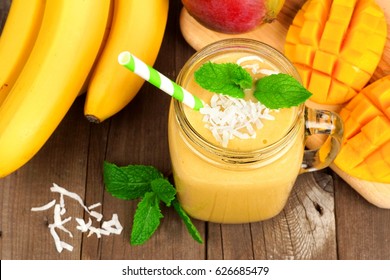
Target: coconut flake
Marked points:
97	231
83	227
228	117
44	207
96	215
112	226
93	206
56	188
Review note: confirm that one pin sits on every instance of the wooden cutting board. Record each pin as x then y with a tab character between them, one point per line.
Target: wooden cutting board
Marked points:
274	34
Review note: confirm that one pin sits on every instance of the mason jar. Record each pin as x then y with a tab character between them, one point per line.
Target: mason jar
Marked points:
248	179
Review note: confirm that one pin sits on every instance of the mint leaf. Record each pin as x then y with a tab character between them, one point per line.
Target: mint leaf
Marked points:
164	190
129	182
146	219
187	221
225	78
135	181
278	91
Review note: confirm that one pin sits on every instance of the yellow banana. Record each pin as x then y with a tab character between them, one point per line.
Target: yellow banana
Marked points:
137	26
64	52
17	39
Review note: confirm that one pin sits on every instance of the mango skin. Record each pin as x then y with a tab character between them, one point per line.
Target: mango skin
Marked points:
233	16
336	47
365	153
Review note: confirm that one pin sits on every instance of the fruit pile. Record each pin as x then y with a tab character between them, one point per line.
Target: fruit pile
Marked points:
365	153
53	50
336	47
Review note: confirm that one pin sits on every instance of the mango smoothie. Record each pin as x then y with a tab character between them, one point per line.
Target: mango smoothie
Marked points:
238	175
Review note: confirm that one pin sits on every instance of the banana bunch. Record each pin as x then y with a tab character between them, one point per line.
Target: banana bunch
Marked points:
51	50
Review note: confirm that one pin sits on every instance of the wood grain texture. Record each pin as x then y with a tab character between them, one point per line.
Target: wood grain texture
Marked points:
362	229
323	219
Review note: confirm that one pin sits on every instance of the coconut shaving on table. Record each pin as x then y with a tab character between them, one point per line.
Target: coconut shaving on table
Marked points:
228	117
112	226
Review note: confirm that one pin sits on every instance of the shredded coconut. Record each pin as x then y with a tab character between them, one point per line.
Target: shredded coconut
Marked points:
44	207
228	117
112	226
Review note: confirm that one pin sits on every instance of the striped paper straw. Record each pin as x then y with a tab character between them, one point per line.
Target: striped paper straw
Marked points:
159	80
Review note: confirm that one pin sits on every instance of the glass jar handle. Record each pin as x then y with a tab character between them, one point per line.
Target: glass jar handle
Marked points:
320	123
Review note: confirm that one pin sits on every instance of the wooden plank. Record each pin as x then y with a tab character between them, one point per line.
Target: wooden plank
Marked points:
91	247
362	228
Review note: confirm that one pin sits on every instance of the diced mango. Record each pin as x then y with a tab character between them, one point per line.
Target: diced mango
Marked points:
340	92
292	36
350	106
324	62
351	75
377	130
342	10
305	73
310	33
365	151
332	38
353	156
345	114
364	112
379	93
314	11
362	144
299	18
304	54
377	166
353	128
385	152
319	82
342	39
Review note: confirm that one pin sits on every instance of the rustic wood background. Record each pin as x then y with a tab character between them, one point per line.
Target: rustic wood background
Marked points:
324	217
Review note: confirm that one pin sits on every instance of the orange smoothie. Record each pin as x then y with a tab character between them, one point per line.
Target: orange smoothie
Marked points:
221	186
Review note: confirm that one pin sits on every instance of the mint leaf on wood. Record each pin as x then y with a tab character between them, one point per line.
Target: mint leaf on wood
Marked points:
225	78
129	182
187	222
164	190
146	219
278	91
148	183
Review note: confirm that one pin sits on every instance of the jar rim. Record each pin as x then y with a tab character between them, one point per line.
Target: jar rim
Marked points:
268	52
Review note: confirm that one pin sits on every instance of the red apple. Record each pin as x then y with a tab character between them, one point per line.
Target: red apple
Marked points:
233	16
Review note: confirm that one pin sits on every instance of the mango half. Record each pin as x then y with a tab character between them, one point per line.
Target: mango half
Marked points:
336	46
365	153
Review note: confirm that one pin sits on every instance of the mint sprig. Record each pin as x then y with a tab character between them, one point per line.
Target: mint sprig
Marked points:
146	219
280	91
225	78
149	184
275	91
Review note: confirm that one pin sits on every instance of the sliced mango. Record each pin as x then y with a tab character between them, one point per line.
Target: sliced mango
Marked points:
365	152
336	46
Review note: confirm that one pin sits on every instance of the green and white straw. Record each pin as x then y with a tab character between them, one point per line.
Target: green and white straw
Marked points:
159	80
